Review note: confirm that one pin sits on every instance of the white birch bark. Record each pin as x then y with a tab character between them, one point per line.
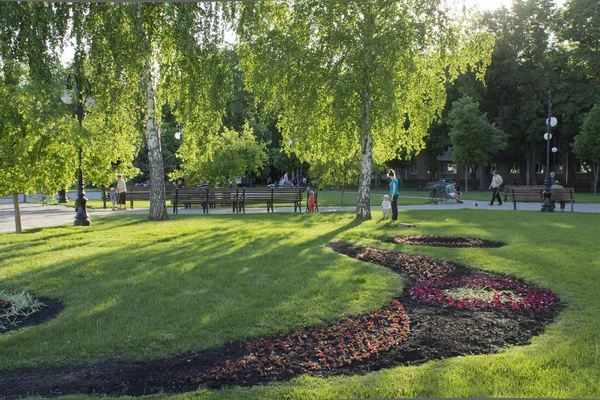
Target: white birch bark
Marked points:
158	207
363	201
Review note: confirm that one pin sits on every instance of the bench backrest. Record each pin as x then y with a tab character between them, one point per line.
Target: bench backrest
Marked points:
278	195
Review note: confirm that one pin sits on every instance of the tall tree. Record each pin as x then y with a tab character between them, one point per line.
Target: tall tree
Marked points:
587	143
521	73
473	138
578	65
354	72
166	52
31	125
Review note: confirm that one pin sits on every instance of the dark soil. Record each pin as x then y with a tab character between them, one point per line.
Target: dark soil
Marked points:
49	310
441	241
435	333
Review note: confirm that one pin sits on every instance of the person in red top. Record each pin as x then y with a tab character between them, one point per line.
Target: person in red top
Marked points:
311	201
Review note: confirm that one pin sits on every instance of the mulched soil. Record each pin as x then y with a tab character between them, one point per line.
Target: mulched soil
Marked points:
435	333
441	241
49	311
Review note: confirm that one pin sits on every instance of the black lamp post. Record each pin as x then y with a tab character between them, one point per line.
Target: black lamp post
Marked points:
83	90
550	122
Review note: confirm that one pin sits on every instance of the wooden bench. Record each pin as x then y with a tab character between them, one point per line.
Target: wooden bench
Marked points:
237	198
508	188
206	197
562	196
270	197
437	194
535	194
133	193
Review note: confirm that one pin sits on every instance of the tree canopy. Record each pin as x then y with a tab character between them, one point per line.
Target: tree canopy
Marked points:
473	138
587	144
342	74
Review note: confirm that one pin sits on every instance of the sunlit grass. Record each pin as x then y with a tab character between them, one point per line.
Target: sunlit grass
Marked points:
137	289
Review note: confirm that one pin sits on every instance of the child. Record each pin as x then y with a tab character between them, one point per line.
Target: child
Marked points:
311	201
113	198
386	207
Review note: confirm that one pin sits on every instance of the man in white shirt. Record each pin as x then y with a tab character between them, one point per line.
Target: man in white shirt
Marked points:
495	185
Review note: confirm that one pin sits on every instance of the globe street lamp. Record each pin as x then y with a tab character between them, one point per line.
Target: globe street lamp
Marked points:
550	123
83	90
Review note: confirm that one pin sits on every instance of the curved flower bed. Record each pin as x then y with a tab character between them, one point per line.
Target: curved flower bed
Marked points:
484	293
317	349
440	241
416	267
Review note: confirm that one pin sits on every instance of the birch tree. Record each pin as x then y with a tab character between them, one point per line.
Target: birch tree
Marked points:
368	73
163	52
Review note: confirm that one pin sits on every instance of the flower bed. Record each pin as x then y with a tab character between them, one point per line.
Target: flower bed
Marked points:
416	267
4	304
317	349
14	307
440	241
484	293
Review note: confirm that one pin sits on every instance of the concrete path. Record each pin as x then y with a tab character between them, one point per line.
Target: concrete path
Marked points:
34	215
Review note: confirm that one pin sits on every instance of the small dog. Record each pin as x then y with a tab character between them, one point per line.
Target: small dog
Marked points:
386	207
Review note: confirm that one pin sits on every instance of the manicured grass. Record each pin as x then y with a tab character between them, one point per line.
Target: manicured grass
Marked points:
332	197
137	289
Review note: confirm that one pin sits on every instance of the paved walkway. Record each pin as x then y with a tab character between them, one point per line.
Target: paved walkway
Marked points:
34	215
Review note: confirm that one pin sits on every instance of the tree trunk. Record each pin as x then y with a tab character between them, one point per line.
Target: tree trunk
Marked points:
483	182
400	180
532	174
595	166
466	179
363	201
158	207
18	227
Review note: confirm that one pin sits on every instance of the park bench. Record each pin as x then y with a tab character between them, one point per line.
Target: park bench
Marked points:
134	193
206	197
237	198
437	193
508	188
270	197
535	194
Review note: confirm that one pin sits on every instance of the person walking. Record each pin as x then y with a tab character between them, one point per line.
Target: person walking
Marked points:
495	185
393	193
121	192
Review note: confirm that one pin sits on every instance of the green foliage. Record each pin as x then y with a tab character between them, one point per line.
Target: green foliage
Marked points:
35	150
233	154
587	144
346	74
473	138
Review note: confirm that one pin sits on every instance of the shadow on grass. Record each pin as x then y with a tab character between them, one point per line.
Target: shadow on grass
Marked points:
118	271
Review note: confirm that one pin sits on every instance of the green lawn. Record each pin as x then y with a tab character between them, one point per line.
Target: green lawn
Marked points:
137	289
